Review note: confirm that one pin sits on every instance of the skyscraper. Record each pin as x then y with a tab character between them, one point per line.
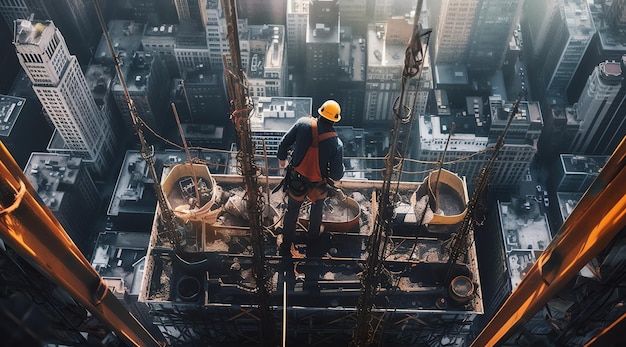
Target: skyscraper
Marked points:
322	43
598	125
475	32
571	32
297	19
489	40
61	87
76	18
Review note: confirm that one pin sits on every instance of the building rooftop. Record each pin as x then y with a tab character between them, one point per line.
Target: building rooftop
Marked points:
318	32
10	108
278	114
578	18
165	30
583	164
119	257
610	39
98	79
380	50
526	234
130	194
434	133
126	38
267	43
450	74
29	32
47	171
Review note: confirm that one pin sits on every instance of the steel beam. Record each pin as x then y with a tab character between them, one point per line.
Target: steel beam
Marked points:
30	228
598	217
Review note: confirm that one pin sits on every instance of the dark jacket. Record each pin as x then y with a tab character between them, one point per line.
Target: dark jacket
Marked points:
330	150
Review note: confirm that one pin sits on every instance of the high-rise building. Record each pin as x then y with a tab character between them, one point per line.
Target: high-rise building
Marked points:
493	27
75	18
571	31
161	40
386	46
297	23
65	186
452	35
267	69
322	42
575	173
192	11
536	18
201	98
147	83
60	85
598	126
475	32
477	128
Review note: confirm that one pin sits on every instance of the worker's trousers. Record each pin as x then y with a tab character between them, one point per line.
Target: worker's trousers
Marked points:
291	218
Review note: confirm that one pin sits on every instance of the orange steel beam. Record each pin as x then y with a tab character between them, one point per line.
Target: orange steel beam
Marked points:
598	217
611	335
31	229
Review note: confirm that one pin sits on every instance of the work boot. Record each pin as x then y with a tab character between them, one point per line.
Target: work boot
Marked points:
295	254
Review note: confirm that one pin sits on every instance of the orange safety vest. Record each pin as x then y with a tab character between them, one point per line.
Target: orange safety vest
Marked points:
309	167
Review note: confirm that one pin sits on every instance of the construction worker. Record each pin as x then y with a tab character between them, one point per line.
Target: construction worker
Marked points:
313	161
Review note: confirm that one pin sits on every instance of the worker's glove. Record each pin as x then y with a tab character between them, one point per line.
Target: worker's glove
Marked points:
334	191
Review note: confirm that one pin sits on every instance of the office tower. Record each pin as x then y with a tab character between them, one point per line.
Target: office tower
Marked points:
616	14
575	173
75	18
161	40
191	48
518	234
455	24
493	27
201	98
322	44
477	127
217	38
475	32
537	15
147	82
82	128
601	128
65	186
606	44
386	46
571	31
297	23
192	11
267	69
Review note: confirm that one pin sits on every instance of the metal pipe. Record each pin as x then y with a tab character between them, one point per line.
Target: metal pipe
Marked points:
31	230
598	217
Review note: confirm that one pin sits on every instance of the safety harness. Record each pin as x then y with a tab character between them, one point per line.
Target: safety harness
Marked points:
309	167
307	174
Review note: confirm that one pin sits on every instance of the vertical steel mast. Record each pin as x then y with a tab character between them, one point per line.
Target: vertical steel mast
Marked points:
459	246
166	215
362	335
241	106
